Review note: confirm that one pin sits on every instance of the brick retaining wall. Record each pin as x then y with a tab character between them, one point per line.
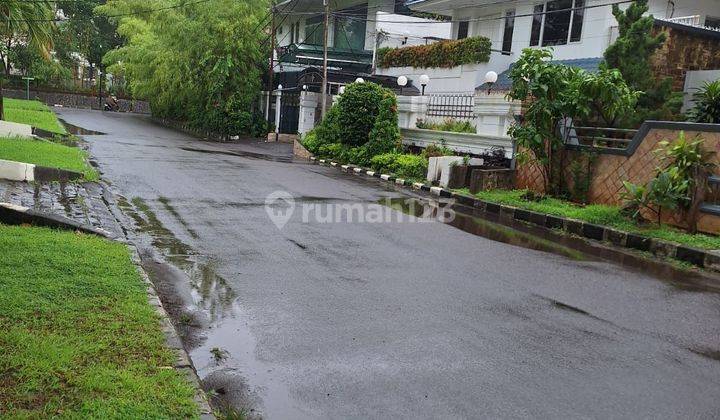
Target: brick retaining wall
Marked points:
686	48
638	165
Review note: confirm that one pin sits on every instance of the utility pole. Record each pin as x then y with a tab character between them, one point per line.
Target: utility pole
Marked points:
271	75
325	58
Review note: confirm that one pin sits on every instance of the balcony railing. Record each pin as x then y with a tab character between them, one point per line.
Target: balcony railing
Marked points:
693	21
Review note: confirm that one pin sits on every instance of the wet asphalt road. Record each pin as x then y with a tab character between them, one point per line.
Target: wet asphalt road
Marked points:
392	320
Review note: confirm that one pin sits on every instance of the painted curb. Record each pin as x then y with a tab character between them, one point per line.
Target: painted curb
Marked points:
709	259
12	214
28	172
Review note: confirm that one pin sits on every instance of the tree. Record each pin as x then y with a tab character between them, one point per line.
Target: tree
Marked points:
198	62
554	95
86	33
25	22
631	54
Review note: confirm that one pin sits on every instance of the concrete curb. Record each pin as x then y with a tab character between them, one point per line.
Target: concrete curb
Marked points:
12	214
183	363
708	259
28	172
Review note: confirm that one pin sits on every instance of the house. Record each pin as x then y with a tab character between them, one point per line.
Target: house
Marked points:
356	29
575	29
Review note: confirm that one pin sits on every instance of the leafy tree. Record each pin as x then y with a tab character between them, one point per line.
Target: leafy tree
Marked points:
24	22
706	108
601	98
555	94
631	54
86	33
543	86
200	62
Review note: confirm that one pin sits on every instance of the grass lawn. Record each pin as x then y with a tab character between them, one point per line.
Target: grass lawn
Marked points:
34	113
78	337
597	214
46	153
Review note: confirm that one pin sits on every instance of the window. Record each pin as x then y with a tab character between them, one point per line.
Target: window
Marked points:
556	23
314	31
577	21
349	30
712	22
508	31
536	24
463	29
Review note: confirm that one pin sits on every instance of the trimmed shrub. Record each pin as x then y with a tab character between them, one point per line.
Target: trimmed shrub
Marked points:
448	124
402	165
444	54
362	124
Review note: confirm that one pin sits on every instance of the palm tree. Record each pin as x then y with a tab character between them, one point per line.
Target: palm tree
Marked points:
29	22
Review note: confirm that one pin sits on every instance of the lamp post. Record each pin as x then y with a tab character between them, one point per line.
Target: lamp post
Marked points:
490	78
402	82
424	80
27	86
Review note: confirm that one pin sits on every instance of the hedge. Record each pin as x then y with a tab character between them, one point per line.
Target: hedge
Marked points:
443	54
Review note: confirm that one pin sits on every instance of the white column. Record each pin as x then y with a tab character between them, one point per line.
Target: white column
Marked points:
278	102
308	105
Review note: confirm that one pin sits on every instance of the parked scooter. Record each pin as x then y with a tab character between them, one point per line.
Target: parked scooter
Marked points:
111	104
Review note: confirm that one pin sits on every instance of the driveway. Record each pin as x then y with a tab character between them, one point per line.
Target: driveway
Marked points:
399	319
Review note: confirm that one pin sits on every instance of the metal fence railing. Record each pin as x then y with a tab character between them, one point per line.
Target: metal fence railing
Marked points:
602	138
452	105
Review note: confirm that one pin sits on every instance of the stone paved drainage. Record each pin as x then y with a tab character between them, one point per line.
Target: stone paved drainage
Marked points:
503	229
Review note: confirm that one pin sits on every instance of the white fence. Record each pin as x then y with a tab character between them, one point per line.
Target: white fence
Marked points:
491	114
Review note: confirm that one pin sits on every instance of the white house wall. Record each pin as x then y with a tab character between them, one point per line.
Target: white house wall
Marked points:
409	31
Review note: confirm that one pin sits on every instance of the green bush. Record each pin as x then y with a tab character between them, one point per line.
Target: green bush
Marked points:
444	54
707	104
402	165
362	124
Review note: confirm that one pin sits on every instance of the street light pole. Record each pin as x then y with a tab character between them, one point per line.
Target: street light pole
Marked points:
27	86
271	75
325	58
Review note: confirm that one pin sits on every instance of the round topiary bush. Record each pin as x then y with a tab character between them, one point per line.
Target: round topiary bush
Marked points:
357	109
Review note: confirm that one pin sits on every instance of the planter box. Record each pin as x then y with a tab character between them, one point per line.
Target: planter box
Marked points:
460	175
491	179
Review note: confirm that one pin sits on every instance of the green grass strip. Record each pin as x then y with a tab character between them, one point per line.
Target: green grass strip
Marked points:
34	113
46	153
597	214
79	337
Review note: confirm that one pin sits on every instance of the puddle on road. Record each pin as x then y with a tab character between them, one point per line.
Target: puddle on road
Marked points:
196	296
500	229
201	302
79	131
252	155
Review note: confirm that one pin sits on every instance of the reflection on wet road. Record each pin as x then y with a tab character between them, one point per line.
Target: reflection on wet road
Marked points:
473	318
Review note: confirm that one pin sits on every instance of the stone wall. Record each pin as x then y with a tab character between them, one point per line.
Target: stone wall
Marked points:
75	100
686	48
638	166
